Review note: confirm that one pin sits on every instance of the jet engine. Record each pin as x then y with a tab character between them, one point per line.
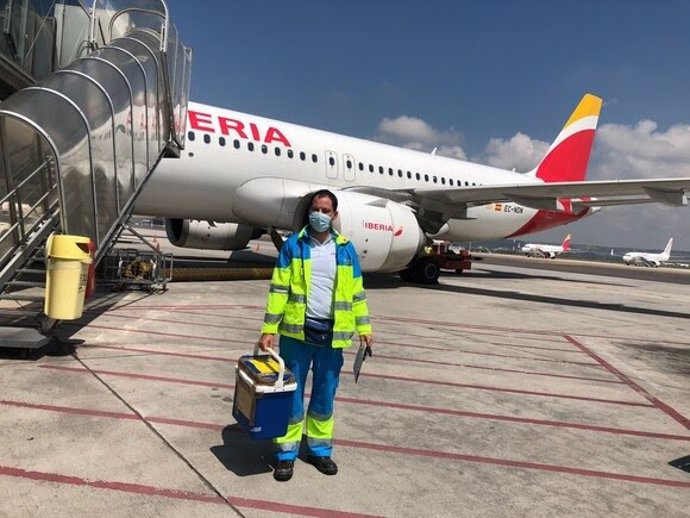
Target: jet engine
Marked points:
385	233
208	235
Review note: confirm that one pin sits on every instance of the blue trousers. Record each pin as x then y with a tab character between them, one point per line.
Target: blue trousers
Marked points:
325	363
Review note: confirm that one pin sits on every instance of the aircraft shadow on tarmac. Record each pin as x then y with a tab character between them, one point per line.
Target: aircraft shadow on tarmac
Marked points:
392	282
516	295
241	454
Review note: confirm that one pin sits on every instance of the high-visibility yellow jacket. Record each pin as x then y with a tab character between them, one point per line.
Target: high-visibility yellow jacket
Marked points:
287	299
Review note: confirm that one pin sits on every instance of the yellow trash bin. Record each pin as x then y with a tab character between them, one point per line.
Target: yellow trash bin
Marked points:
67	267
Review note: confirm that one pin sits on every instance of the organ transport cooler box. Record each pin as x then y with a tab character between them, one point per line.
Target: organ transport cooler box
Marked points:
263	392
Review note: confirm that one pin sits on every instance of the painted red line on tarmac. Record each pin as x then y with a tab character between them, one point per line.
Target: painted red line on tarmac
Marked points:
70	410
413	360
141	489
382	376
181	322
512	419
496	355
509	391
341	442
513	463
149	332
520	346
113	485
164	307
442	323
498	369
161	353
140	376
671	412
294	509
385	404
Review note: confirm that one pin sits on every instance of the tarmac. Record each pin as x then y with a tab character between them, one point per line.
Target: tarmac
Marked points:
505	391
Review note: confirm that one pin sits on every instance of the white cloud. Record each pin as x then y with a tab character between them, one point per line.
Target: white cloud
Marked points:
641	150
620	152
520	152
415	133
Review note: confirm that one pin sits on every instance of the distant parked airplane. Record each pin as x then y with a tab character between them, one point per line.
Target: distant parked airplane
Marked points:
649	259
547	251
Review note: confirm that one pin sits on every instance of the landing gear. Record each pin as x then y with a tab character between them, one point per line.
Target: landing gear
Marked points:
423	270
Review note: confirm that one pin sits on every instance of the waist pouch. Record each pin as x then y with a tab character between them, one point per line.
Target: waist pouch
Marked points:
318	332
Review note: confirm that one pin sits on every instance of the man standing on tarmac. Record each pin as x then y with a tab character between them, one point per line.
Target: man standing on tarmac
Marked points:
316	302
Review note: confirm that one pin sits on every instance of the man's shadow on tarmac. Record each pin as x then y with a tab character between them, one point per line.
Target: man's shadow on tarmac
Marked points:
243	455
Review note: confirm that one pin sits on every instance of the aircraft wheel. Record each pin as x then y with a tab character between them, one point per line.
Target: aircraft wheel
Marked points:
427	271
407	275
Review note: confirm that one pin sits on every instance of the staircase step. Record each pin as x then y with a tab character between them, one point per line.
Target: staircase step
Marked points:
28	284
29	298
22	338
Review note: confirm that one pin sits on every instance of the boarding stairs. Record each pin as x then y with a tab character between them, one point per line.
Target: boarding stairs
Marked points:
77	147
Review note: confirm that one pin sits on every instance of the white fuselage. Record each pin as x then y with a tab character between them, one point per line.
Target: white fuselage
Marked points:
537	250
226	149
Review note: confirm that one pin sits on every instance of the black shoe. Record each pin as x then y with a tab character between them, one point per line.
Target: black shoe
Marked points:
283	470
324	464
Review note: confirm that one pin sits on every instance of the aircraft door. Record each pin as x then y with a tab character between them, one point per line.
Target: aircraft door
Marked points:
331	165
349	165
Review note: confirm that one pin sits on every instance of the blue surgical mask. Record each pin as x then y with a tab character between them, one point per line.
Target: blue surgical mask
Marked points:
319	221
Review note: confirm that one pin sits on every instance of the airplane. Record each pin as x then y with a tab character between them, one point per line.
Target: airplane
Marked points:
649	259
546	251
242	175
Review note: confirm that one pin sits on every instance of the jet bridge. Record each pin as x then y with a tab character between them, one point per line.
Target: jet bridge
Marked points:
77	146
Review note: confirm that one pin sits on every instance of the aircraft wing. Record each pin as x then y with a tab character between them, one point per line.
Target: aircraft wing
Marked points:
671	191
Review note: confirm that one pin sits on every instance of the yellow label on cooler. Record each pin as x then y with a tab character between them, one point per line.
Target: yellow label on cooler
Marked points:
265	365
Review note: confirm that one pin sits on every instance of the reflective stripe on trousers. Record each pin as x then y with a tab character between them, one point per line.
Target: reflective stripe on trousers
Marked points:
326	363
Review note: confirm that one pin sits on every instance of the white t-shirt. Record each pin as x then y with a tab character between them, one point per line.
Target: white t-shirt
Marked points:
323	269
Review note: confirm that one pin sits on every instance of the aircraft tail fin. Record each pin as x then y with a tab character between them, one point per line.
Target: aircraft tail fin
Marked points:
667	250
568	156
566	243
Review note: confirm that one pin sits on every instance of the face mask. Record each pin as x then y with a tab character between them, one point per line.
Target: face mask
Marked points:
319	221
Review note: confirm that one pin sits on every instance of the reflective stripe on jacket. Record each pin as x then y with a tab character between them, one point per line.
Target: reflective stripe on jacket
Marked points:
287	297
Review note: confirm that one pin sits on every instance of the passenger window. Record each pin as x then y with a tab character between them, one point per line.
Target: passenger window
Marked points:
426	177
443	180
417	176
302	156
314	158
390	171
190	135
331	161
236	144
277	151
250	146
371	168
361	166
435	180
450	181
221	141
264	148
290	153
399	173
409	175
207	138
349	164
467	184
381	169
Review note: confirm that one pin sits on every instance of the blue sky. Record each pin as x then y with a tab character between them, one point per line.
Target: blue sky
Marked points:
493	79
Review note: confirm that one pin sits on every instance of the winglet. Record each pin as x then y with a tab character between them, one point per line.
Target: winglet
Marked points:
567	158
566	243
